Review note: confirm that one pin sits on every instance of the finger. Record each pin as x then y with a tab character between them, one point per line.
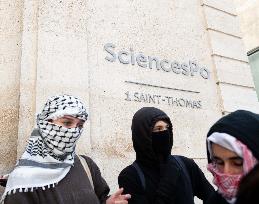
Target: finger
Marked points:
121	202
118	192
125	196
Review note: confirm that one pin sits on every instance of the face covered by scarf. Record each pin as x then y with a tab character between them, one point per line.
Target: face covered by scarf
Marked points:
50	151
161	143
146	143
243	127
228	183
59	140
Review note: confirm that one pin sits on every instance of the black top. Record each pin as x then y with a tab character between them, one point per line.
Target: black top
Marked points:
248	191
164	186
165	180
216	198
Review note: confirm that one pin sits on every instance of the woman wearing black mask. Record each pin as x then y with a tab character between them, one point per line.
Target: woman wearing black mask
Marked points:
156	177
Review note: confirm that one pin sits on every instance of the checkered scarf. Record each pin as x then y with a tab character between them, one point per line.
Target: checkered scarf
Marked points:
227	184
50	151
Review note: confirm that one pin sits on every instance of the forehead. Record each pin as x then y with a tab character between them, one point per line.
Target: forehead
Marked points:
160	123
222	152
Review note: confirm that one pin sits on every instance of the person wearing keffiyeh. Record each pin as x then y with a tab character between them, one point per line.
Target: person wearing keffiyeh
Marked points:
233	150
49	171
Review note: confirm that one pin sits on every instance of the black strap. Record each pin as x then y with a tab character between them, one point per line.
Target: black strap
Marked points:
186	173
180	163
140	174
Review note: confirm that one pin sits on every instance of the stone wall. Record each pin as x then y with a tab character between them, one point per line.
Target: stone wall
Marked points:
10	62
248	12
185	57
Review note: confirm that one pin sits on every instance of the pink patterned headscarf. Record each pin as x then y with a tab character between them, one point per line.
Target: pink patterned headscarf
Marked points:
228	184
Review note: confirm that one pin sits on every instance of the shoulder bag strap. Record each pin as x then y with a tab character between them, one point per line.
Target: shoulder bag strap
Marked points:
87	170
140	174
184	168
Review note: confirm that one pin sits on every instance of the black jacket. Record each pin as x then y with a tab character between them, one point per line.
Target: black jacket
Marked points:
216	198
165	180
166	188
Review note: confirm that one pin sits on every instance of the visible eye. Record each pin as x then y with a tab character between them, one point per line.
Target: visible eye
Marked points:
217	162
67	123
157	129
160	128
238	163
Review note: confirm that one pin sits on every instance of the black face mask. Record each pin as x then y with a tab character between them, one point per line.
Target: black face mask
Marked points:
161	143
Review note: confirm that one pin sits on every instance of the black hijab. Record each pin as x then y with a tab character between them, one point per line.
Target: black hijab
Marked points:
241	124
142	124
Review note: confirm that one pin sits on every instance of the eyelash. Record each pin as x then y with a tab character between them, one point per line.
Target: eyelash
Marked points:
80	125
219	162
238	163
67	122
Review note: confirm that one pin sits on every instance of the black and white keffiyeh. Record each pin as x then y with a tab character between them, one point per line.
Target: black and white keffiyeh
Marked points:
50	151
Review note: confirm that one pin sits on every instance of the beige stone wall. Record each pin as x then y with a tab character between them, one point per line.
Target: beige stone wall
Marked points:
235	84
58	47
171	30
10	60
248	12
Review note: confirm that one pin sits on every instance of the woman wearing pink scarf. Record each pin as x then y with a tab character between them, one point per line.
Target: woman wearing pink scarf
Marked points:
233	150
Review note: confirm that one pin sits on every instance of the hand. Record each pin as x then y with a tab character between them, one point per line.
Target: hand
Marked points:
118	198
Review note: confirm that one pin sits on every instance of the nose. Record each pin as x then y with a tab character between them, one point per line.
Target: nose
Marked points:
228	169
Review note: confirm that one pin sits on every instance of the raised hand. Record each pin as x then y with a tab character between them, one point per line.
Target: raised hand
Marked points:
118	198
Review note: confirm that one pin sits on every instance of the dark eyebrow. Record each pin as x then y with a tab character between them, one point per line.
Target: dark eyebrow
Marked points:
158	126
68	117
236	158
231	158
215	157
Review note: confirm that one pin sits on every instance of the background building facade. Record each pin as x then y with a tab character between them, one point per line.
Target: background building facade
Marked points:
185	57
248	12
